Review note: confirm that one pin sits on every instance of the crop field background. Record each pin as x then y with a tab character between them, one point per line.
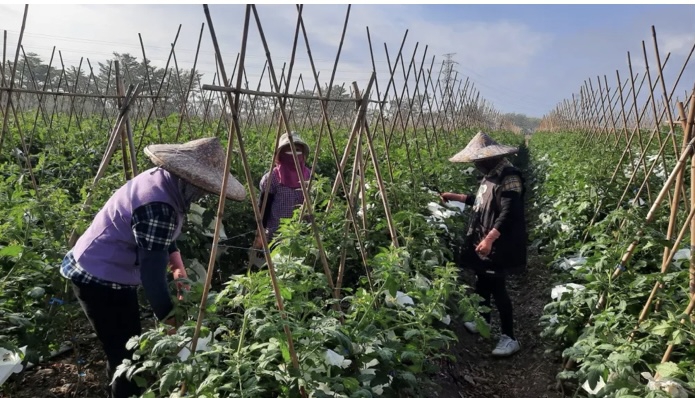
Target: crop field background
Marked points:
364	298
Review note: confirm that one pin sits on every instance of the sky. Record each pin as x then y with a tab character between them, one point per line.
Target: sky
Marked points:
522	58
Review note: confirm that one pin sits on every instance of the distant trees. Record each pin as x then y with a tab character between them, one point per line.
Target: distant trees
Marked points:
99	79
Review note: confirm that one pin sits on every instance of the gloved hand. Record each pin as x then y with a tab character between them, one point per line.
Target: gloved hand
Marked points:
485	246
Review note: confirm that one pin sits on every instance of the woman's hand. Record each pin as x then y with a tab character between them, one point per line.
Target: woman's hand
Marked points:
171	322
179	272
447	196
485	246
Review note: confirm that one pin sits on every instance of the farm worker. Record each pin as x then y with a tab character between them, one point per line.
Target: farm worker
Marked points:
495	243
131	241
283	187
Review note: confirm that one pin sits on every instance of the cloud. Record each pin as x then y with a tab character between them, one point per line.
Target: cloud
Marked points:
677	43
515	62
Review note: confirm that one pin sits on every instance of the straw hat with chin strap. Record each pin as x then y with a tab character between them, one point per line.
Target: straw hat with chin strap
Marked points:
199	162
482	147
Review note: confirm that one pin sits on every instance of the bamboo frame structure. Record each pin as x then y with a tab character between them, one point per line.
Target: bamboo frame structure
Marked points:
376	129
681	198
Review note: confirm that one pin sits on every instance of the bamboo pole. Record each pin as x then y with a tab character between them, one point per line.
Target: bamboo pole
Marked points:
45	84
307	198
121	132
669	253
688	311
4	130
190	83
2	64
381	108
258	93
111	148
153	109
398	115
234	128
32	77
362	105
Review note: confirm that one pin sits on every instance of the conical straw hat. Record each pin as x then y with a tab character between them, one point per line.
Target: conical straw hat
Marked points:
482	147
200	162
298	142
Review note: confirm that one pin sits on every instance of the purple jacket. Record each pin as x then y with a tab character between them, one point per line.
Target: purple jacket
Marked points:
107	250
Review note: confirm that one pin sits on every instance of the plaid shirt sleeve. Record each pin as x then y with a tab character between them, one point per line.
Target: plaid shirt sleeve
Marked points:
512	183
154	225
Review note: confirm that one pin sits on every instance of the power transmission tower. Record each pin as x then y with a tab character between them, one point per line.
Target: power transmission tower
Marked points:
448	76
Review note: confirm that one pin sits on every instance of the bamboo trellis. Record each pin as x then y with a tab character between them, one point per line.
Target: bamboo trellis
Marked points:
409	108
598	120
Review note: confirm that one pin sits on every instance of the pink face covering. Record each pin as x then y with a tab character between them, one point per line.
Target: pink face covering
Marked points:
287	172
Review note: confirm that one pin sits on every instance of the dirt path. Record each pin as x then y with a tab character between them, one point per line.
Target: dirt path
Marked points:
529	373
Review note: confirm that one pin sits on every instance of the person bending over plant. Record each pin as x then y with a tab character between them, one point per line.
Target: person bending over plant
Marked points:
495	243
131	241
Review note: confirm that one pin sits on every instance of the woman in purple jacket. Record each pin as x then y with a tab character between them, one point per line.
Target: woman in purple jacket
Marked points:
131	241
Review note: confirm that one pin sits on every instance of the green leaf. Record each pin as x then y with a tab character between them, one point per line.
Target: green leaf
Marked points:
669	369
11	251
168	379
351	384
391	285
663	329
593	378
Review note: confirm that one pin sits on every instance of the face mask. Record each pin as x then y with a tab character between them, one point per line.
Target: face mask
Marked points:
485	166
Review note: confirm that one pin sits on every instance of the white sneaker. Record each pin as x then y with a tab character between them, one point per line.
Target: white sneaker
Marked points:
506	347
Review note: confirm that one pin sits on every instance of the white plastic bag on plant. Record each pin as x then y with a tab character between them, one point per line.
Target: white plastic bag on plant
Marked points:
599	386
456	204
566	264
682	254
559	290
439	211
10	362
332	358
638	202
202	345
673	388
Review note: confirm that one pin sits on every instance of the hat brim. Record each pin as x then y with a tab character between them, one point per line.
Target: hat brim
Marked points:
297	144
189	168
491	152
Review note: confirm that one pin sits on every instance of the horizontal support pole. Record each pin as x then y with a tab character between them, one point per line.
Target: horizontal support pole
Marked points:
64	94
233	90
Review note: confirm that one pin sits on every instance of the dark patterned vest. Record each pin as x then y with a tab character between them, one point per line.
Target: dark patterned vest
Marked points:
508	253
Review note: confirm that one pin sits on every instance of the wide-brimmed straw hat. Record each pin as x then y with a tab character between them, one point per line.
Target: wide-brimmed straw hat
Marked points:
200	162
482	147
284	143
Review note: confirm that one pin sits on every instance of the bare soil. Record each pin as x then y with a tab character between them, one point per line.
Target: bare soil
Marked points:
530	373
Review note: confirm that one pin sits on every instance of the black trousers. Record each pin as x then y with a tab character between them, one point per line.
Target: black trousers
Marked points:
115	317
488	286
